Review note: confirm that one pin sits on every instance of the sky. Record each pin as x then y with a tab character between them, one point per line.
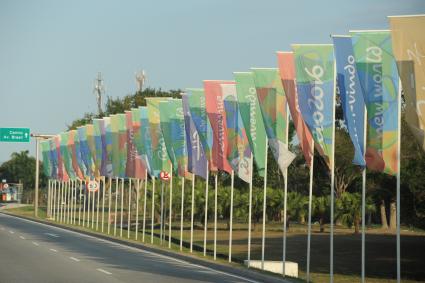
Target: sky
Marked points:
52	50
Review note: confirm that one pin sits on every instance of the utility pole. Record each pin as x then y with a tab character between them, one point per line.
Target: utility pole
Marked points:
37	161
140	80
98	90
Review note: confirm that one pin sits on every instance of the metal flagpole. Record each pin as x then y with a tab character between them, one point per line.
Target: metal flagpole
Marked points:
215	215
62	201
92	215
109	204
153	207
332	184
162	211
72	202
250	208
103	201
75	200
84	203
116	205
58	200
97	207
54	199
181	215
66	207
171	208
310	199
129	209
206	213
137	207
231	214
122	205
79	207
398	185
191	212
263	237
48	197
364	198
144	206
68	218
88	206
285	198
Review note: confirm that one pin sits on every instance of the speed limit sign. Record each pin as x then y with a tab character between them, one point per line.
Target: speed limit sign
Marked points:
164	176
93	186
5	186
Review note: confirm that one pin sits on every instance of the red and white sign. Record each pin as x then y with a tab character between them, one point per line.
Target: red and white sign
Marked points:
5	186
93	186
164	176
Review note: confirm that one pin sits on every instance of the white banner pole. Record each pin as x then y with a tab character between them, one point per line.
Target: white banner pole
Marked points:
162	212
109	204
116	205
144	206
84	202
364	199
103	201
181	215
153	208
263	236
250	209
285	198
191	212
332	183
215	215
137	208
206	213
232	179
92	215
171	209
122	205
129	209
398	185
310	200
88	205
98	204
54	200
79	206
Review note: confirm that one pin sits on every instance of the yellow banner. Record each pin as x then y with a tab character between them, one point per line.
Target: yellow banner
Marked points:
408	38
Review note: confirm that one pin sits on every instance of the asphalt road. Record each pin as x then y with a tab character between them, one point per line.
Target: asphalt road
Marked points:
34	252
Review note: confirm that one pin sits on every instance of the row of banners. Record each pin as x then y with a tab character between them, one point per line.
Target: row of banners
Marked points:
226	123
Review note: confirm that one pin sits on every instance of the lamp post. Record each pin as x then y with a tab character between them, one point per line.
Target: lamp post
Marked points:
37	157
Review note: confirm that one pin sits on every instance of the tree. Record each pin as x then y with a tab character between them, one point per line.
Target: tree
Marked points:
320	208
21	168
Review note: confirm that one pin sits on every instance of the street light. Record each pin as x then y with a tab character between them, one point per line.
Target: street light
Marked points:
37	139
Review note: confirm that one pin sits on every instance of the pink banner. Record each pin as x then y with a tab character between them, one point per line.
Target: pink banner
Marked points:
287	74
217	116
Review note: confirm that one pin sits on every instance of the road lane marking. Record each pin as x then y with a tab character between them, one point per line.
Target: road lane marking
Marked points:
11	232
52	235
74	259
22	237
53	250
139	250
104	271
35	244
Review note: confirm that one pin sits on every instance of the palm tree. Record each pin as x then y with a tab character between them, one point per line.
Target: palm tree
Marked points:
320	208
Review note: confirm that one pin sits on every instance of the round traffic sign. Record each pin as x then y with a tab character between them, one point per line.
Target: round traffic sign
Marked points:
164	176
93	186
5	186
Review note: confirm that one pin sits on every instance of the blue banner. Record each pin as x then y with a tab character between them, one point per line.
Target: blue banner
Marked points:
350	91
197	161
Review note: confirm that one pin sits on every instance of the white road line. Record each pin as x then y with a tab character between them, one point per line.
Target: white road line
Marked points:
74	259
137	249
104	271
35	244
52	235
53	250
22	237
11	232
